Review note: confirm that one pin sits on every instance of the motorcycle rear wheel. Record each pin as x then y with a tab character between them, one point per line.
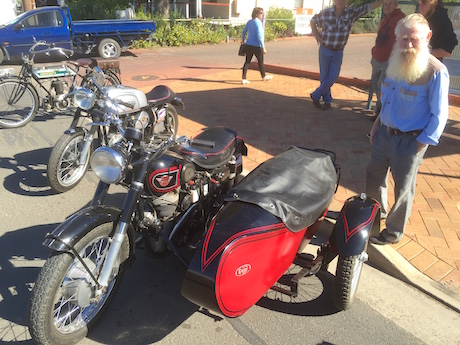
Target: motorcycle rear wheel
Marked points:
55	313
18	103
64	171
346	280
170	123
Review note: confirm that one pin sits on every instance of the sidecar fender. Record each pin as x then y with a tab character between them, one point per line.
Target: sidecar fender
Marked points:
353	226
76	226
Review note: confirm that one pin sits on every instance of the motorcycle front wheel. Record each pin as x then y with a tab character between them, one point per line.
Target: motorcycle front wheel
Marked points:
346	280
18	103
64	170
63	306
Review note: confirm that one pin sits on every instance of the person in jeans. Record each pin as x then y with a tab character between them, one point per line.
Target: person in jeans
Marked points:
414	113
335	25
255	43
383	46
444	38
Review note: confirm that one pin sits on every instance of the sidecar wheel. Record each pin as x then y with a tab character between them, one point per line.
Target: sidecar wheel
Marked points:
64	170
346	280
63	306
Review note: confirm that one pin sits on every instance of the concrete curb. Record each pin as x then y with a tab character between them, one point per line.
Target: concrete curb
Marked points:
391	262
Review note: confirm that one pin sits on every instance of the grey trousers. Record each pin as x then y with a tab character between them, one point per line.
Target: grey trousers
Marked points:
398	154
379	73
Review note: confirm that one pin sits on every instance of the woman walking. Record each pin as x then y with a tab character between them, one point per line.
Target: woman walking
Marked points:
255	43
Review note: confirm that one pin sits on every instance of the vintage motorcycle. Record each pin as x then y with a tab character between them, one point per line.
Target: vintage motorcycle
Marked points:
182	198
20	97
154	111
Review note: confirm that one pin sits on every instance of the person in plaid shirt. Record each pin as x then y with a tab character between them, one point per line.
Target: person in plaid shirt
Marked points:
331	28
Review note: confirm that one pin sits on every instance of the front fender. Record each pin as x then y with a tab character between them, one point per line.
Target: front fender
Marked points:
351	231
74	228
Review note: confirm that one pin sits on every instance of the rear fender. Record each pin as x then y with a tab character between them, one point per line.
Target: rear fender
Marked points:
76	226
353	226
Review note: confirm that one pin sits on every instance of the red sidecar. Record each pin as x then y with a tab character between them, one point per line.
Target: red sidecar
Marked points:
256	235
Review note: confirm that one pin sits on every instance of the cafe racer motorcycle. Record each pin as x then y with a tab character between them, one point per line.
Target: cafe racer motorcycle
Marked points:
182	198
105	107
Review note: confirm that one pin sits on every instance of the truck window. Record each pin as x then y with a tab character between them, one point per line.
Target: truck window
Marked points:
45	19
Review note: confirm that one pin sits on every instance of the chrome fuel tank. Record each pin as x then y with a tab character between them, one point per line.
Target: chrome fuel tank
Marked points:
125	94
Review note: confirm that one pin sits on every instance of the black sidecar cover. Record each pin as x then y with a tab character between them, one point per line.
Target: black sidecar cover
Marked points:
297	186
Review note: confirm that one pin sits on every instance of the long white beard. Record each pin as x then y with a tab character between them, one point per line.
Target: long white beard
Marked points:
407	64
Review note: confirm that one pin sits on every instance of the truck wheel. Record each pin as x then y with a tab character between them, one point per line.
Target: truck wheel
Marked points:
109	48
2	56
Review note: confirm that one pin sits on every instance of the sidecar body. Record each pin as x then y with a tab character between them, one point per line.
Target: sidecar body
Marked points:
255	236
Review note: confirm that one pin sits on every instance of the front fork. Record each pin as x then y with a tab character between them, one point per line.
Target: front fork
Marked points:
129	206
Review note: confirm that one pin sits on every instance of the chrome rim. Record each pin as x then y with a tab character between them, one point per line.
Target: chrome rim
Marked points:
70	313
69	169
18	110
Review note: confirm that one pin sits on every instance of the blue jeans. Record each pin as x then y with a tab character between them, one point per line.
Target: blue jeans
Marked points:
330	62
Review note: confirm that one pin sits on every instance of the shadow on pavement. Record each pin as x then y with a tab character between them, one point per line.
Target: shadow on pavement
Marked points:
28	175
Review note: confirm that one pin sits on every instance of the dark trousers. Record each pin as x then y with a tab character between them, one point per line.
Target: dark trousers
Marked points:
259	53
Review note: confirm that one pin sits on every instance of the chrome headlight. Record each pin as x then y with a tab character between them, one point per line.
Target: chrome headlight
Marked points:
84	98
108	164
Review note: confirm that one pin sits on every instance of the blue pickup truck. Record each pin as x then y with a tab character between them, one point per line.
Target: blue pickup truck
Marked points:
54	24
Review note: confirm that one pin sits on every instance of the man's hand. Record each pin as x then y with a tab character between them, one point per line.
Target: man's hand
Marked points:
374	128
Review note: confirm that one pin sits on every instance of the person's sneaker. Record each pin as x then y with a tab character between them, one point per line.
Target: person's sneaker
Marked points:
267	77
368	135
326	106
245	81
316	102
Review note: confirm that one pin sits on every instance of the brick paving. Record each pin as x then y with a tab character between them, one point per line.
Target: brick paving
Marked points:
272	116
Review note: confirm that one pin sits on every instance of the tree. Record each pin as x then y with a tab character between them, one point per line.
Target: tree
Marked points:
162	8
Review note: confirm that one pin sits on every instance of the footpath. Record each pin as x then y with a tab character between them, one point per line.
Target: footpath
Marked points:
271	116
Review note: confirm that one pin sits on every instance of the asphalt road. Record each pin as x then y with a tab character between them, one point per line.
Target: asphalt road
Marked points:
149	307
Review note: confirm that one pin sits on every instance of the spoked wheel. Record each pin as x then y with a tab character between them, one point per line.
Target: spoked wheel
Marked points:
168	127
308	289
64	304
18	103
347	278
64	170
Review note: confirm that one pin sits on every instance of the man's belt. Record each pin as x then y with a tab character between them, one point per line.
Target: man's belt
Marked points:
394	131
333	49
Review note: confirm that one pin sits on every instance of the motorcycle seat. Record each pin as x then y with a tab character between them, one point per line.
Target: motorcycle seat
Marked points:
83	62
223	147
160	94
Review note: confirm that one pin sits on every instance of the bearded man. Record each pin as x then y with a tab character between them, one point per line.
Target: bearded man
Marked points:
413	116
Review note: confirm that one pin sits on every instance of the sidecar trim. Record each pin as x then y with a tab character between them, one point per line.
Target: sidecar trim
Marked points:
207	258
349	233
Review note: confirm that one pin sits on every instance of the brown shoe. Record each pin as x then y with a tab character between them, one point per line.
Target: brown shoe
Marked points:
316	102
326	106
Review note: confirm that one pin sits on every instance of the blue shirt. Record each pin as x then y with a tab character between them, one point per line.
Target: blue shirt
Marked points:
255	31
422	105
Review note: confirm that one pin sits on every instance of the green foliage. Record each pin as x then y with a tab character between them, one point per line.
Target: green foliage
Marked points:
196	32
100	9
280	22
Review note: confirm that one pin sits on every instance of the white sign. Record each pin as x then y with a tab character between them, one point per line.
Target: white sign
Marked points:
302	24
